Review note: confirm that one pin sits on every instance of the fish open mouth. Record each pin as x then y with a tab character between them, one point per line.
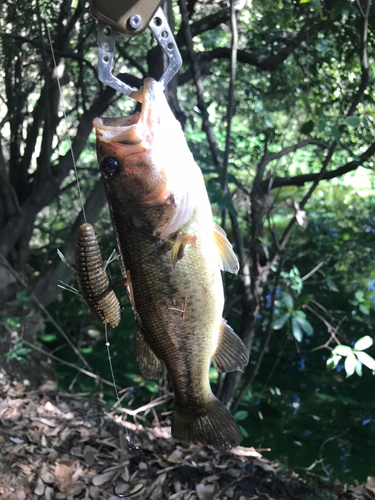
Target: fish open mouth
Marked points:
137	128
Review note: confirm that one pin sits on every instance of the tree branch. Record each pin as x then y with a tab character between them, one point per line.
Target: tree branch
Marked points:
300	180
205	24
270	63
356	100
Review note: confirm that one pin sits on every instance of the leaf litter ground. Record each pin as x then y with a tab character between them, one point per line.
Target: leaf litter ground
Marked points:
57	445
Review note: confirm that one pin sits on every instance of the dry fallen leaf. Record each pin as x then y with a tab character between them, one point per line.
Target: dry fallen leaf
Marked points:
370	484
103	478
176	456
39	488
241	451
205	492
63	476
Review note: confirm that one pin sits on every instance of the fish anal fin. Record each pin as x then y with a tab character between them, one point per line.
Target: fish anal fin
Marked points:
227	257
231	354
149	364
213	425
179	246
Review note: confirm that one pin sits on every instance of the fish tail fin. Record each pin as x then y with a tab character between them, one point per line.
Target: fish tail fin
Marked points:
213	425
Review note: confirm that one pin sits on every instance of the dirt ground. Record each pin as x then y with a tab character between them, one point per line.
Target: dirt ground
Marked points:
57	445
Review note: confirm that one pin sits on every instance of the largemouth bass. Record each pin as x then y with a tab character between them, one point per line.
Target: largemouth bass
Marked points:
171	253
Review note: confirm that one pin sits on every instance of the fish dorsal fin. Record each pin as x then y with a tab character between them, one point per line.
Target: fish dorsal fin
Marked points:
179	246
149	364
231	354
227	257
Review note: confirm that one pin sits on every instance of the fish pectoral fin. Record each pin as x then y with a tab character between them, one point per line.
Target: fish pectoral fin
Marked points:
179	246
227	258
149	364
231	354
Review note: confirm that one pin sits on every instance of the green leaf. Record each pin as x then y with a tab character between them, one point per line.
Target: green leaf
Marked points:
304	1
363	343
23	351
297	331
342	350
359	295
333	361
289	302
244	431
335	132
353	121
350	363
264	241
280	322
364	309
307	127
358	367
49	337
305	325
241	415
87	350
366	359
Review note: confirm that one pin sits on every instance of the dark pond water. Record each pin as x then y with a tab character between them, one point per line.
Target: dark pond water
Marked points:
308	416
303	413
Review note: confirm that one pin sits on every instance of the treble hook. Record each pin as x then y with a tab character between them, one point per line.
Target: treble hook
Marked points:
138	451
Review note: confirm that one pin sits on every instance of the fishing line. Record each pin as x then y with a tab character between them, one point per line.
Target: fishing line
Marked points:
132	449
62	103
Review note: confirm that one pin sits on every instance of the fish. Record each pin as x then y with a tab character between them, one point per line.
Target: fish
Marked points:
92	280
171	255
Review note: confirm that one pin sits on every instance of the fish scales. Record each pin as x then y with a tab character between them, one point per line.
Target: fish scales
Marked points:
171	254
92	279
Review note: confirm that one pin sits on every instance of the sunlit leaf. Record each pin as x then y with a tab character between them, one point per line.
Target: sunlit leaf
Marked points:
358	367
363	343
350	363
366	359
279	323
342	350
333	361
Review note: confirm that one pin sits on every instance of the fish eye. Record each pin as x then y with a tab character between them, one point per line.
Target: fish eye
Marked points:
109	166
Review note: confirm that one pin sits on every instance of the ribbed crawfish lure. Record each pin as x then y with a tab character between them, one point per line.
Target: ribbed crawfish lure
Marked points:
93	283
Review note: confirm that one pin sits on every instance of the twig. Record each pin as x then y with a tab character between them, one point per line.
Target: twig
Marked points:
157	402
321	459
267	338
71	365
239	479
313	271
44	310
197	75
